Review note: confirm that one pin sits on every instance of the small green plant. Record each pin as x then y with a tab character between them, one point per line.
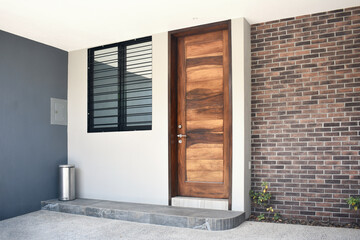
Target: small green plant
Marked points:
261	217
262	199
277	216
354	202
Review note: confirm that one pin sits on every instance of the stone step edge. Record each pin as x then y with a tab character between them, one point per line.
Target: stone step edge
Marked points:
211	224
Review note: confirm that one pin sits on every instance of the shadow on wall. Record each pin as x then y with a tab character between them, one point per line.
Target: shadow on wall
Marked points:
30	148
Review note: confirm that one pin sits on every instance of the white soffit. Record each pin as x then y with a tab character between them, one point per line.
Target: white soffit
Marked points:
77	24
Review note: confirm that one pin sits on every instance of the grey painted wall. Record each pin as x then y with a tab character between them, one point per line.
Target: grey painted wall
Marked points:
30	148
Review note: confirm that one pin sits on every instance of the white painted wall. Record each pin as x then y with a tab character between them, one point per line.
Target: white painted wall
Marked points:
123	166
133	166
241	100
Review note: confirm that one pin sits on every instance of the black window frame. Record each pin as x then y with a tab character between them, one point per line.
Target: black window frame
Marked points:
121	102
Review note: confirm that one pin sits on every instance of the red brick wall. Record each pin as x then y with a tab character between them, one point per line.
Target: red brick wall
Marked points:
306	113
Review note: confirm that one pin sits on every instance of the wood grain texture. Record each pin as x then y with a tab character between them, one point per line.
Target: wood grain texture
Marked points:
197	189
227	113
205	176
206	137
204	74
205	126
204	49
181	93
206	145
215	85
206	165
204	153
205	37
204	114
203	101
202	93
205	61
214	100
173	145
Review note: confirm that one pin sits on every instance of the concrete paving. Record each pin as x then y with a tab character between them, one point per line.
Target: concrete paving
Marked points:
54	225
197	218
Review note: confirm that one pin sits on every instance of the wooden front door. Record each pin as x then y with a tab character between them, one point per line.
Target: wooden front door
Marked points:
203	114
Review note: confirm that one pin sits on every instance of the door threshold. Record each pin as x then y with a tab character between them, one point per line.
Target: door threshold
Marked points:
195	202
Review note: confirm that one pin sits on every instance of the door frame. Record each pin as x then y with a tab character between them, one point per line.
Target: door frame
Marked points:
172	101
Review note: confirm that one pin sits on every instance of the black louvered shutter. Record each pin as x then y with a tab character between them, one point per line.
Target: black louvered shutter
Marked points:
120	86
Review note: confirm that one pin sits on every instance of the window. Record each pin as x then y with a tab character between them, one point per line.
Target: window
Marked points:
120	86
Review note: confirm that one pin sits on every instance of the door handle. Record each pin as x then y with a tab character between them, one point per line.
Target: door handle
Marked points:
181	136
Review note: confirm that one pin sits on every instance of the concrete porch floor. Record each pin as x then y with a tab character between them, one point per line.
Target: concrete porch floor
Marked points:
197	218
48	225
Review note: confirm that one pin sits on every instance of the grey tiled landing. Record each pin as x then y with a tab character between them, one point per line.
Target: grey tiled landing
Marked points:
205	219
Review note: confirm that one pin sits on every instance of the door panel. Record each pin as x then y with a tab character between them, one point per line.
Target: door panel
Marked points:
203	109
198	74
205	125
204	153
204	49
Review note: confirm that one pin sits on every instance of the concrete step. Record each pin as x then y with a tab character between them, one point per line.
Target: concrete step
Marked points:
206	219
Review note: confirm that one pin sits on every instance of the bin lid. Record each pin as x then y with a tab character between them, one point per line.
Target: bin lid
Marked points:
67	166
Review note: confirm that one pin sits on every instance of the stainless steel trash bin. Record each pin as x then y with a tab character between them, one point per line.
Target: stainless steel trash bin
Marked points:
66	182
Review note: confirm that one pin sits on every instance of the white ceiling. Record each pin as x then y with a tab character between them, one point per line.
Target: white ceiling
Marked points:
77	24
